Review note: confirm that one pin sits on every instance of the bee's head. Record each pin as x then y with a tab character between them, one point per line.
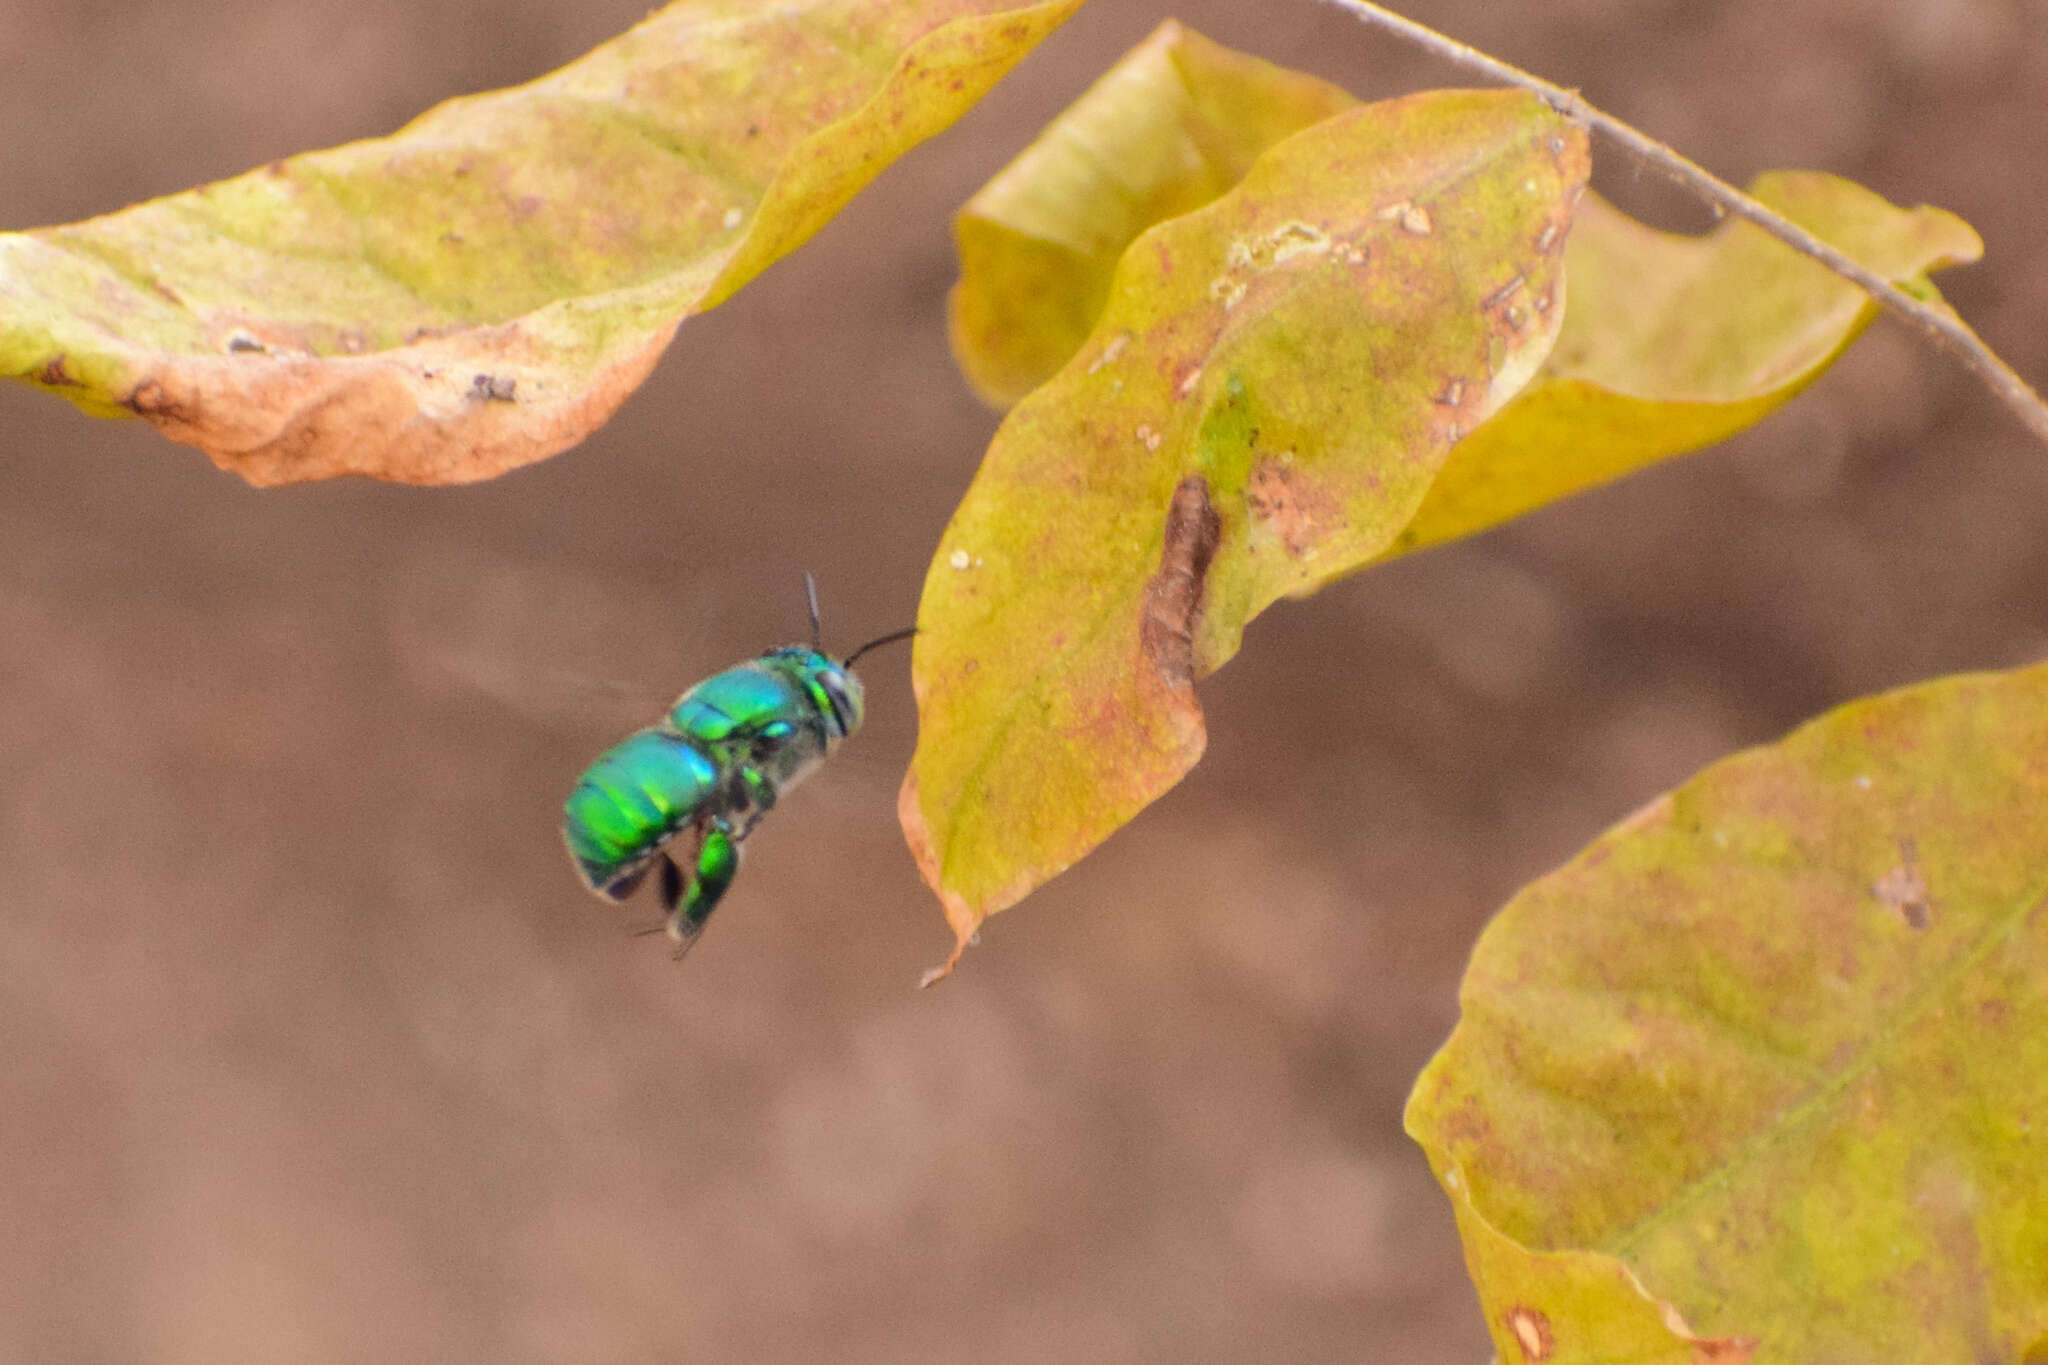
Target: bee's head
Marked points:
831	683
834	689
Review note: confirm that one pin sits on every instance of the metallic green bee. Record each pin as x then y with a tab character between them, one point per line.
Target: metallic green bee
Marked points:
712	767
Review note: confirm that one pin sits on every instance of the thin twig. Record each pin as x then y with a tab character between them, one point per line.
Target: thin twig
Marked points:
1938	324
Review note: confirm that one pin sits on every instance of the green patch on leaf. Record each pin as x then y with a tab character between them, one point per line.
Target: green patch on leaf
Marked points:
1174	124
1671	343
1270	389
485	287
1776	1047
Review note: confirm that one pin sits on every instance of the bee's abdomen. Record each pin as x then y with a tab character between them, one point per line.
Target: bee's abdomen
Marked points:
631	801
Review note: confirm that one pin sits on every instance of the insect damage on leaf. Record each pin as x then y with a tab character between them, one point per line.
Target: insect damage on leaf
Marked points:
1532	1332
1167	619
1285	503
1173	597
1709	1350
1904	887
1257	409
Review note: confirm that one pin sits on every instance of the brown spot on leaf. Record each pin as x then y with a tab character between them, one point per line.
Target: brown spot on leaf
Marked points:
235	333
1287	504
1411	217
1532	1332
388	414
494	388
1708	1350
55	375
151	399
1173	597
1297	239
1904	888
1505	292
1227	291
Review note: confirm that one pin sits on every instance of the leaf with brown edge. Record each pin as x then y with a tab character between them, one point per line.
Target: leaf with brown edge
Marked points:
1777	1046
486	286
1672	343
1272	385
1574	1307
1175	123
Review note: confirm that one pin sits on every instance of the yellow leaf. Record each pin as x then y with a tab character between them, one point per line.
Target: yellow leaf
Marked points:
1777	1045
1671	343
485	287
1261	406
1175	123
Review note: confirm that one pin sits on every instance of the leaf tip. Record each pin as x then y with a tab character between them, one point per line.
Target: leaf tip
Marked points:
963	918
934	975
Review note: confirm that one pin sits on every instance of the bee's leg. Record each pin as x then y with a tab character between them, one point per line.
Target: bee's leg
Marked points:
670	883
760	794
624	887
690	902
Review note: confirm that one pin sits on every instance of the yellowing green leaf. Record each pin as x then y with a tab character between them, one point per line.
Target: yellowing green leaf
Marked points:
485	287
1574	1307
1777	1048
1671	343
1268	393
1175	123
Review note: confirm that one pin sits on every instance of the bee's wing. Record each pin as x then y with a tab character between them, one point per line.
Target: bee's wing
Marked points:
545	643
556	697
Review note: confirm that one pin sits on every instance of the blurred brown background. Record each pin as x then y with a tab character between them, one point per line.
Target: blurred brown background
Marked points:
312	1049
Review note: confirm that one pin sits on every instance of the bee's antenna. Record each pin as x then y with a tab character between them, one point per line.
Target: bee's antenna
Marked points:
811	598
891	638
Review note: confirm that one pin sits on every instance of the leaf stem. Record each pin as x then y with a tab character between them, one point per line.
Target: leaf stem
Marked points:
1937	323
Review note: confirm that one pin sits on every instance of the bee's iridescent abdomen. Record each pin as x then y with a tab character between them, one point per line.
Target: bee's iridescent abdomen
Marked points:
631	801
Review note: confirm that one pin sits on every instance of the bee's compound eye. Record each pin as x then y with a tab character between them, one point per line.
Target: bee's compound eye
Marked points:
842	690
